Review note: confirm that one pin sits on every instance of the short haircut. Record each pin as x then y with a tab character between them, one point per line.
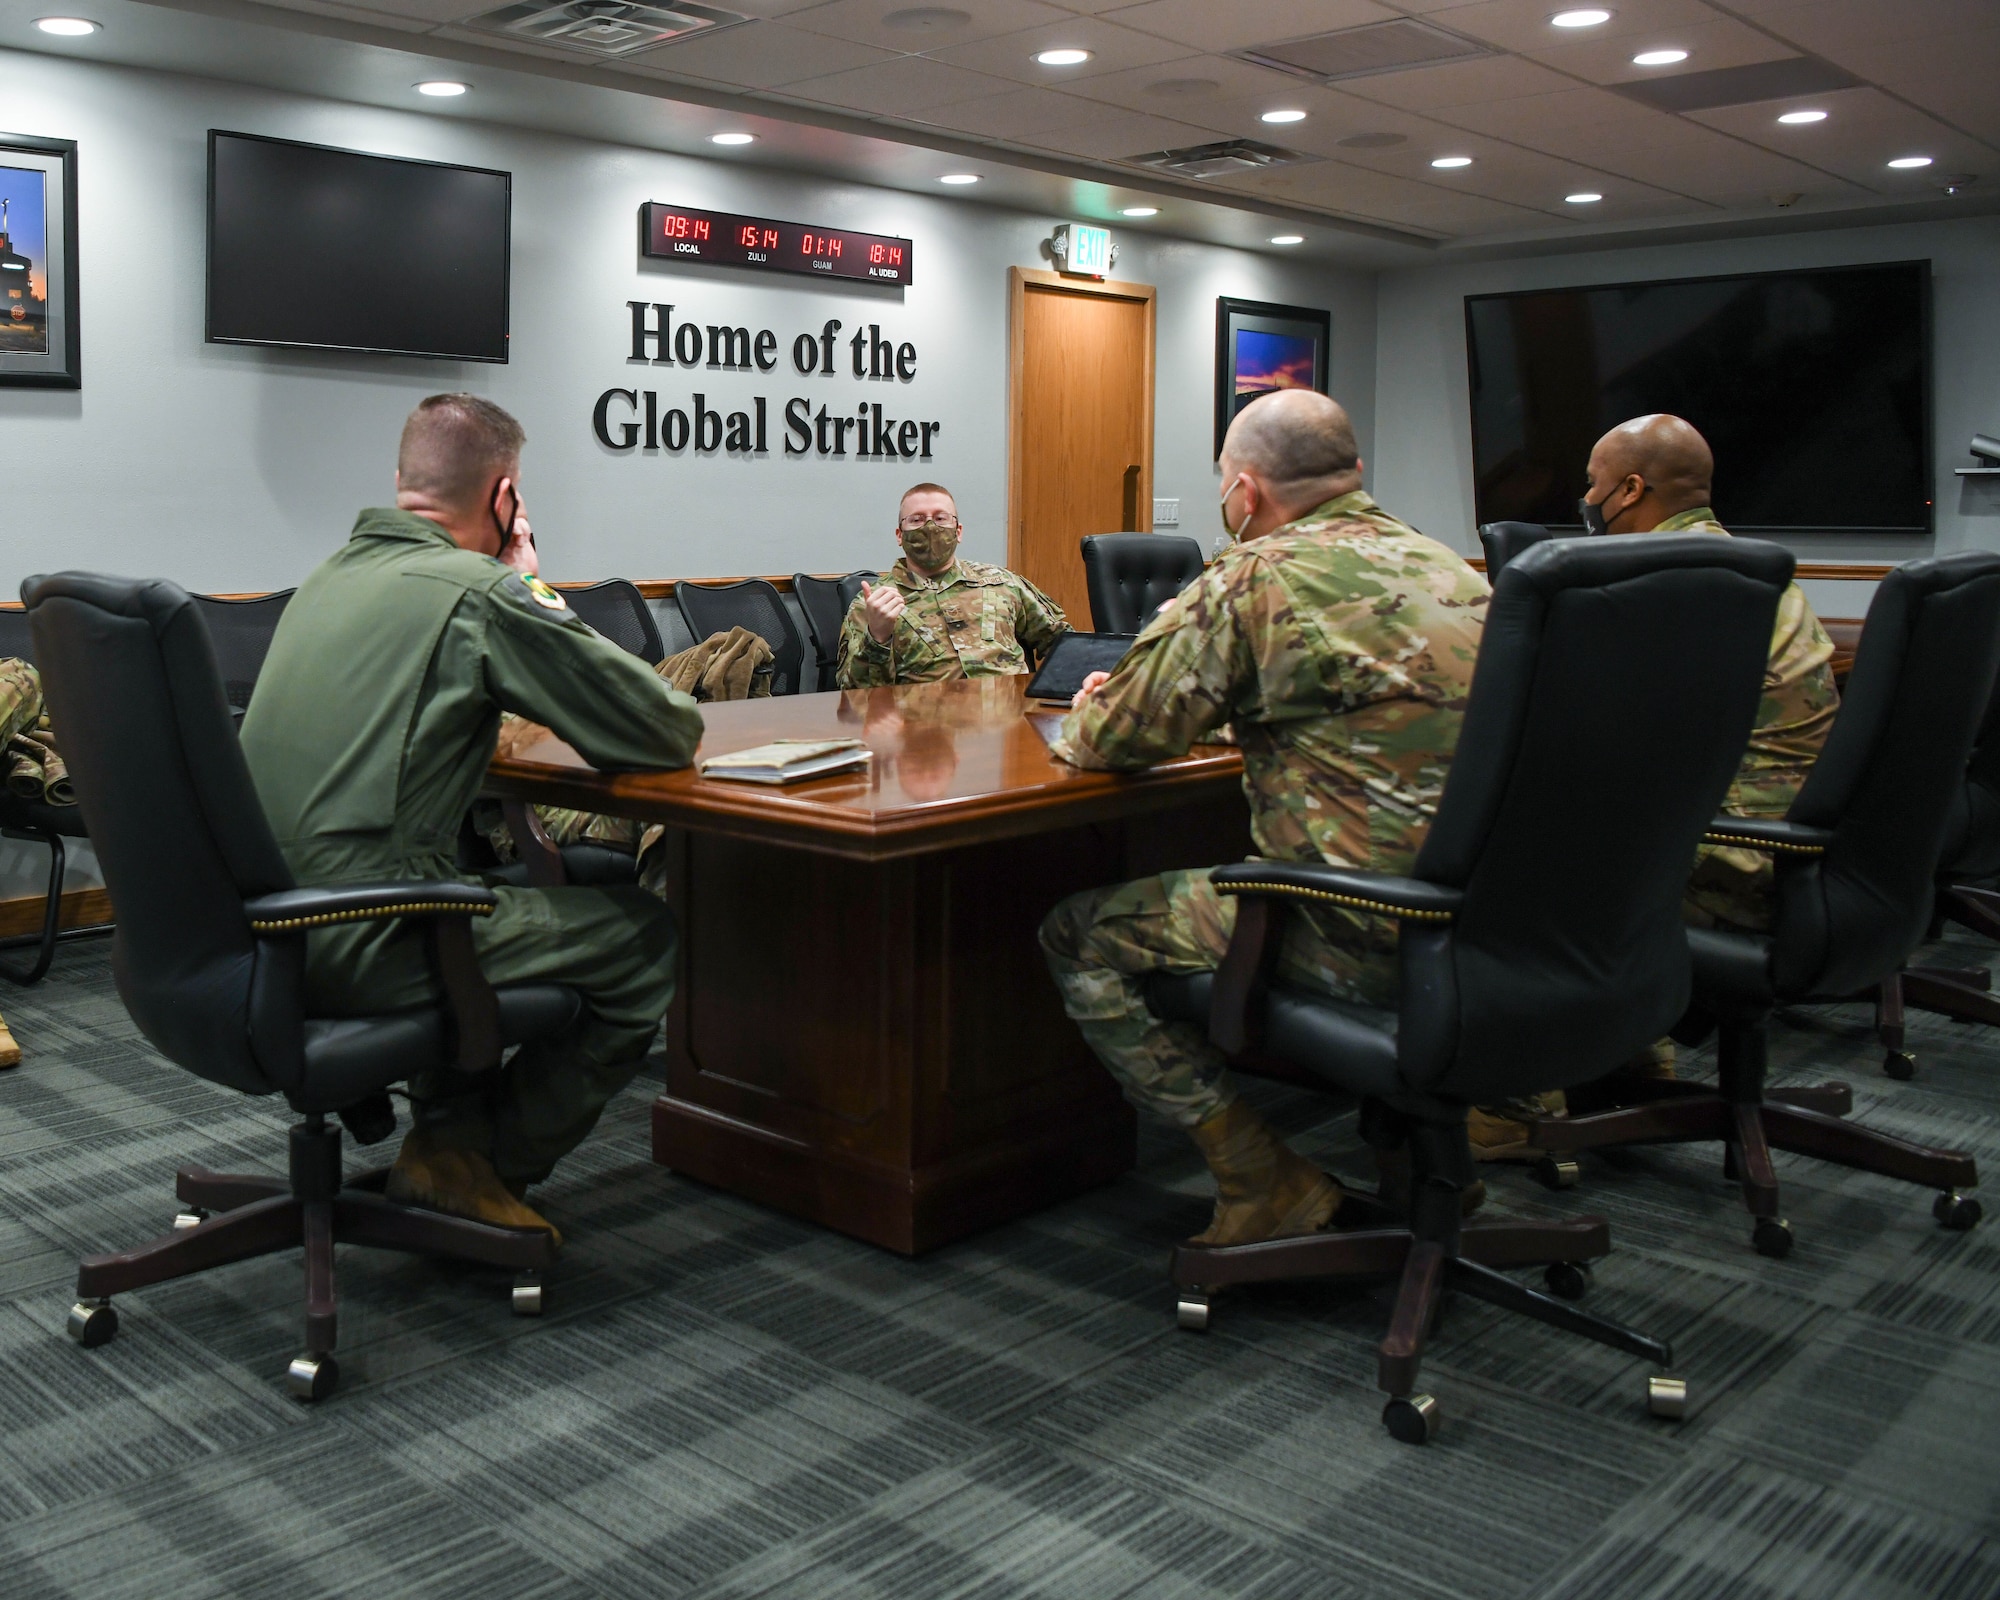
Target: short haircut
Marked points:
453	444
1293	436
924	488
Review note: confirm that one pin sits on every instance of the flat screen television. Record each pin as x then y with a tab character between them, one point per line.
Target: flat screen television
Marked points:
337	250
1813	388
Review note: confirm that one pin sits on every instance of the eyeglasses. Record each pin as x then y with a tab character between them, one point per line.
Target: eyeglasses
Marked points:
911	524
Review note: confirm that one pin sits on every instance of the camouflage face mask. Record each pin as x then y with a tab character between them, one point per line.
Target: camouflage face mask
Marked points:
931	545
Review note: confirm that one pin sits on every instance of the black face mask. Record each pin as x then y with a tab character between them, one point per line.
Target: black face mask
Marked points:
1592	513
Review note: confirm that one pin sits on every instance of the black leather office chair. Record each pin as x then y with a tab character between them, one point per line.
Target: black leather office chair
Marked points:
616	609
826	602
1856	857
1503	541
1964	889
1540	928
1131	575
210	961
240	632
753	603
37	821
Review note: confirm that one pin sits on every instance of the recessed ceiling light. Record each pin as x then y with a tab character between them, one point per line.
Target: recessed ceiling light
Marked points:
1799	118
1063	58
1906	162
1140	211
1658	58
1283	116
442	88
66	27
1452	161
1582	198
959	177
732	138
1288	238
1579	19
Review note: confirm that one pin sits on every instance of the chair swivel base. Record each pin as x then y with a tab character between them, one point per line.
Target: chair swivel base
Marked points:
1381	1243
234	1216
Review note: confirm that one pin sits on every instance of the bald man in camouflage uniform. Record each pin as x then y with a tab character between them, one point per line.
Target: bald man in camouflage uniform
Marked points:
1338	643
1654	475
935	616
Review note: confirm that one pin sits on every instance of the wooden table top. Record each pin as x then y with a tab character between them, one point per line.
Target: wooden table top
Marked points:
954	764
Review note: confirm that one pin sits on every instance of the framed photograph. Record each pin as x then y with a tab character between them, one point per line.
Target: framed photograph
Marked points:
39	344
1260	347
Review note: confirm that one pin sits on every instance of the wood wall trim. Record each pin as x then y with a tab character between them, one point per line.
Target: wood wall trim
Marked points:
21	916
1019	281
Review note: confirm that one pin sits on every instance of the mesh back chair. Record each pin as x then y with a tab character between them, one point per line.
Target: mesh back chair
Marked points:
1503	541
210	962
616	609
1856	857
1540	932
826	602
241	631
34	819
1131	575
754	603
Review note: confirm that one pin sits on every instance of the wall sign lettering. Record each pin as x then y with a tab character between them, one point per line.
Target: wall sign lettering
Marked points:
635	419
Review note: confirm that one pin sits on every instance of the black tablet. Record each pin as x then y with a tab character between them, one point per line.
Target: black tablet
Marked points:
1072	658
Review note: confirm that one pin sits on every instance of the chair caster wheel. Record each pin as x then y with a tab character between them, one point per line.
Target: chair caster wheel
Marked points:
193	1217
1956	1211
1667	1397
312	1378
92	1323
1412	1419
1558	1172
1192	1311
1900	1065
1567	1280
1772	1237
528	1295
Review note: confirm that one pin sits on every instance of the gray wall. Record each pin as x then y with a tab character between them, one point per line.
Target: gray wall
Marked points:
231	468
1423	459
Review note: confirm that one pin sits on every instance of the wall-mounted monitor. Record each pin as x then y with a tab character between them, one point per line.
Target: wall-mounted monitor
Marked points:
1812	387
337	250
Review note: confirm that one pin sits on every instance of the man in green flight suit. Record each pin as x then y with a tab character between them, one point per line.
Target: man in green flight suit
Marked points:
936	616
370	731
1654	474
1338	644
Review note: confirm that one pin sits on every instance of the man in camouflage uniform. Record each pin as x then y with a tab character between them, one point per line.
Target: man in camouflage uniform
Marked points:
937	617
1338	644
20	713
1654	475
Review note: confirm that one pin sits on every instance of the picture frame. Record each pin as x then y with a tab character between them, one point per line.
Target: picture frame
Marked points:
40	340
1261	346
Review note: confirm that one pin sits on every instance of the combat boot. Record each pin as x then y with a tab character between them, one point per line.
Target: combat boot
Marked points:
1263	1190
1500	1133
10	1052
460	1183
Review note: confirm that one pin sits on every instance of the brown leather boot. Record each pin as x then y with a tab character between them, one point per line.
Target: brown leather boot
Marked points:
460	1183
10	1052
1500	1133
1262	1189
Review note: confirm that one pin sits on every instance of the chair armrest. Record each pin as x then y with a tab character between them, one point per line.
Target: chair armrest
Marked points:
1773	835
538	852
1381	894
291	910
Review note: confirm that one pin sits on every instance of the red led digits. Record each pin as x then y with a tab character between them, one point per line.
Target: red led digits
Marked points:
758	242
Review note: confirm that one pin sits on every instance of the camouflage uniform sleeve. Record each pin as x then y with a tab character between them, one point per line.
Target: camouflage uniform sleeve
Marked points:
1794	716
1180	680
20	697
1037	618
862	663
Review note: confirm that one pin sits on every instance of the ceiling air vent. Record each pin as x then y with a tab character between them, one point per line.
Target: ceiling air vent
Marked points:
603	27
1222	160
1362	52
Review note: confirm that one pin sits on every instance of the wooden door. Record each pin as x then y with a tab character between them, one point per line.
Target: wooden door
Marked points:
1080	440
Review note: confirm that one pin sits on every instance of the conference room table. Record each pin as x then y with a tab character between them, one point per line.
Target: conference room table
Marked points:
864	1033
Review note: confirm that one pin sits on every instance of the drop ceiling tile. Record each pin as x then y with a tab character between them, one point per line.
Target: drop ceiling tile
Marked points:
1957	79
1722	42
760	55
1017	114
912	27
1121	136
1822	25
1113	50
1239	24
895	87
412	17
1524	24
1189	81
1462	216
1550	121
1458	83
1689	159
1864	129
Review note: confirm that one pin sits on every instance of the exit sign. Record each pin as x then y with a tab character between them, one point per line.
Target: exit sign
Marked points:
1089	252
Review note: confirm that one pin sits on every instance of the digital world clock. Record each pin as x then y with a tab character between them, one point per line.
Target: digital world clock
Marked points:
681	233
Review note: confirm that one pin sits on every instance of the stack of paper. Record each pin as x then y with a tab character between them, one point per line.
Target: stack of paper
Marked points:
788	760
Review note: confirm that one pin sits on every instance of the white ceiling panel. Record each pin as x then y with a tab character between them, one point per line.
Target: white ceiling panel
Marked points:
1524	26
921	29
1123	135
1189	80
401	19
896	87
1239	24
1553	121
1721	42
1957	80
1824	24
1458	83
1017	115
1864	130
1113	50
761	55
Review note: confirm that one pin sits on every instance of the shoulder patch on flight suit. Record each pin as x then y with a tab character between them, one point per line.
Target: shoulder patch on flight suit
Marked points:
542	594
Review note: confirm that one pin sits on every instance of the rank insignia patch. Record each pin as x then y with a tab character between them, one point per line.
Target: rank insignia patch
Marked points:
544	595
